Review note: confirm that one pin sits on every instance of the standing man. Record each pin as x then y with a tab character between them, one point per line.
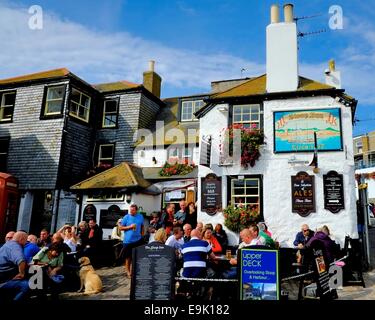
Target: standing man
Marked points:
187	232
132	225
45	239
180	215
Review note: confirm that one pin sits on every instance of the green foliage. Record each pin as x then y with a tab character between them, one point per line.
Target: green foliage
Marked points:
238	218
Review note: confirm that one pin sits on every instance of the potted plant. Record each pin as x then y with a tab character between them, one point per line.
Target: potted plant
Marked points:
251	140
176	167
237	218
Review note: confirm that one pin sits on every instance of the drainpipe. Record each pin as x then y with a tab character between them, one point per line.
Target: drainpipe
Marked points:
364	210
55	211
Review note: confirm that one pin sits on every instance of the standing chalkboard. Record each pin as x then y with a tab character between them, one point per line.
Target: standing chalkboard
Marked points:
333	185
153	272
109	217
211	194
322	277
303	194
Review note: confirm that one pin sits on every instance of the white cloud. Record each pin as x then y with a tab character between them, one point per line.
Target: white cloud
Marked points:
101	57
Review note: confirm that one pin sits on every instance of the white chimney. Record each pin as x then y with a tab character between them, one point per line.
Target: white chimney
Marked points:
282	58
333	76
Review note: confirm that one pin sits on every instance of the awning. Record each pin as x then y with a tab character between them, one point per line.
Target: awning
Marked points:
124	175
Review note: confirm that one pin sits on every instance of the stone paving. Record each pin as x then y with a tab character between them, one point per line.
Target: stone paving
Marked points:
117	287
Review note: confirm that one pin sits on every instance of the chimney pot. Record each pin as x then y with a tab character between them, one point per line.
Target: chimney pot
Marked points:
288	13
275	13
151	65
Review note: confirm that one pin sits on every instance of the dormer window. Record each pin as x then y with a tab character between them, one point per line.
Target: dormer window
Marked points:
80	105
188	108
53	101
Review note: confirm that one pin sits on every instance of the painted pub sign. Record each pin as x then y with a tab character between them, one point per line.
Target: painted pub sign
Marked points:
303	194
211	194
294	130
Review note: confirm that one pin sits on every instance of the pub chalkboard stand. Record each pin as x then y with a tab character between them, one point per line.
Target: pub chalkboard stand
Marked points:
153	272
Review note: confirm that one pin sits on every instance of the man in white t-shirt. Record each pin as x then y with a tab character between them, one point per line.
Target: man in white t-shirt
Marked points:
176	240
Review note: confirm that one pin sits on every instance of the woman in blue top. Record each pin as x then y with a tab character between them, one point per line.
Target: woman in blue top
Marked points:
132	225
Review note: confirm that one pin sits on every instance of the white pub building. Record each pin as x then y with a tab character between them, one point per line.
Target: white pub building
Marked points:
289	183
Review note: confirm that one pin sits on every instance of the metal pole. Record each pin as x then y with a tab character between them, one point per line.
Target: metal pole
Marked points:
364	209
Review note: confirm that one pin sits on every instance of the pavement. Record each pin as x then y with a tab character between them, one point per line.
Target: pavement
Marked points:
117	287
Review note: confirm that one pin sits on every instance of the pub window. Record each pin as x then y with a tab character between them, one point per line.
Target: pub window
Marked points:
188	108
245	192
54	101
106	152
4	146
248	115
8	100
110	114
79	105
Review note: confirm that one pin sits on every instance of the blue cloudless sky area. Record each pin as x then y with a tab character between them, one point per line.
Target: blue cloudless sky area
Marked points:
237	28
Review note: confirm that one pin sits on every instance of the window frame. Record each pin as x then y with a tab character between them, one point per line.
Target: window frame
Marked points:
111	196
55	115
115	126
230	180
250	122
79	105
2	94
194	109
6	142
99	161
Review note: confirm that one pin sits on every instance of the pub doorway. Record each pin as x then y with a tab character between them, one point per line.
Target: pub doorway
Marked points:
41	217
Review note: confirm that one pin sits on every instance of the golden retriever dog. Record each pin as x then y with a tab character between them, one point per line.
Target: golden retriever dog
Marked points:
89	278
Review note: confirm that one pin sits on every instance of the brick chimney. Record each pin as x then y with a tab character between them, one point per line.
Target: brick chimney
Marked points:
282	52
151	80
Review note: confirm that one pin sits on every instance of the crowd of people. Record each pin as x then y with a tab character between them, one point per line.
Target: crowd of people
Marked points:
196	245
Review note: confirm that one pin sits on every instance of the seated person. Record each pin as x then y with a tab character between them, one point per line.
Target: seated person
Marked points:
176	240
52	258
187	232
68	233
211	239
302	238
321	240
31	248
221	236
117	236
263	227
194	255
13	267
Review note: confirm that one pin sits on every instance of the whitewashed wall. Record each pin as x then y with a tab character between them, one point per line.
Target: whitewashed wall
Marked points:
144	157
149	203
277	174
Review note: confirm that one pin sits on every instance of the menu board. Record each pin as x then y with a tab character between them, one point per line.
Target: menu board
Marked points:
322	277
211	194
303	194
109	217
89	213
154	270
259	274
333	185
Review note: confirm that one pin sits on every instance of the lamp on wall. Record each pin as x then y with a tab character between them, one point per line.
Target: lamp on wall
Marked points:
128	198
154	160
48	196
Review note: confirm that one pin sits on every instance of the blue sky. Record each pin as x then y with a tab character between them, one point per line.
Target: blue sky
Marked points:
193	42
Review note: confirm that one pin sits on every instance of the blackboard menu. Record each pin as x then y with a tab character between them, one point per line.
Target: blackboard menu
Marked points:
211	194
153	272
333	185
109	217
303	194
89	213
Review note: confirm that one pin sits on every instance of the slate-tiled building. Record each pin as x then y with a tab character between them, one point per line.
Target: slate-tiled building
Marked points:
55	127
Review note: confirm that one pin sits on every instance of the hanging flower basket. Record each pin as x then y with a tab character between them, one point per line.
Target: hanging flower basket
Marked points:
238	218
251	140
178	167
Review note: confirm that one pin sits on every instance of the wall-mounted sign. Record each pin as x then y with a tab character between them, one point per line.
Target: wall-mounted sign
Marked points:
89	213
205	154
109	217
333	185
303	194
211	194
294	130
259	274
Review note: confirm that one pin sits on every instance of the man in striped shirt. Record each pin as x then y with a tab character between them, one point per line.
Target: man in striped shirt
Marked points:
195	254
